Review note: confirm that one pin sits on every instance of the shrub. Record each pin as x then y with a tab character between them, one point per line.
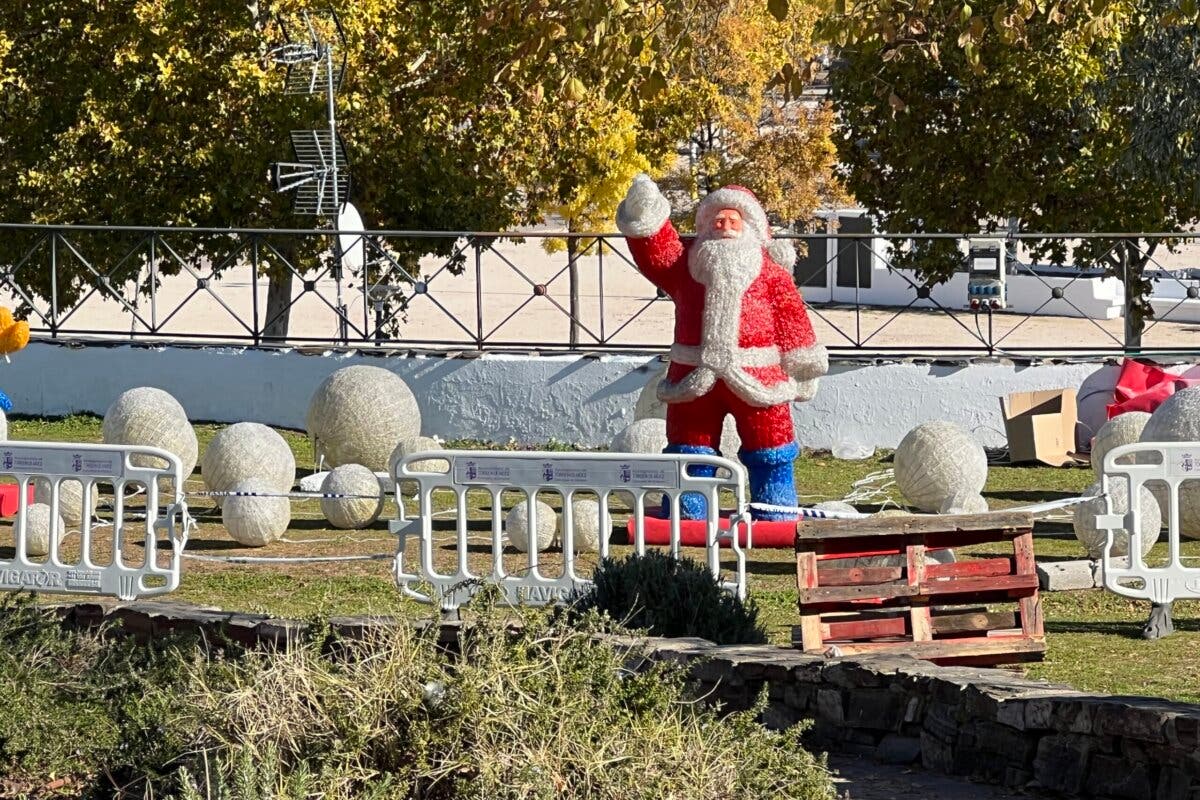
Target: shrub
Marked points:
542	711
670	597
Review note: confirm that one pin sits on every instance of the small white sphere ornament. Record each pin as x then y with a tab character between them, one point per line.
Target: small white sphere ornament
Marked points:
936	461
1121	430
1093	538
964	504
516	525
70	499
38	529
1178	420
585	514
150	417
641	436
255	521
352	512
359	413
248	451
417	444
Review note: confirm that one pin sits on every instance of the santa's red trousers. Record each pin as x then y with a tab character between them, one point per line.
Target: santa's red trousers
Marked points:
698	422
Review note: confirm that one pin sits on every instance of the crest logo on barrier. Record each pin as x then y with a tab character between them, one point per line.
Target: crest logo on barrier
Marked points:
8	459
625	473
76	462
1187	462
472	472
547	471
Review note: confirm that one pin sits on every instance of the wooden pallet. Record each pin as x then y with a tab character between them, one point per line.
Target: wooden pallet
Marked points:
978	611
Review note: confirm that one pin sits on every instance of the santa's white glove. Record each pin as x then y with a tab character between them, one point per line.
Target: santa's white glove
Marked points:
806	390
644	210
805	363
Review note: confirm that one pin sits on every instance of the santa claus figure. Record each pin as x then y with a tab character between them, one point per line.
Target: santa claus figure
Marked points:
743	342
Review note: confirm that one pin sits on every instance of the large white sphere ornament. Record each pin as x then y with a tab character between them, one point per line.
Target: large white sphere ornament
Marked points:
255	521
358	414
1120	430
937	461
150	417
642	436
1093	538
585	515
516	525
70	499
248	451
417	444
352	512
964	504
1178	420
38	529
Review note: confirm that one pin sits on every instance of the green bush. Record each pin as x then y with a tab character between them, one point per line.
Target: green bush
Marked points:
540	711
670	597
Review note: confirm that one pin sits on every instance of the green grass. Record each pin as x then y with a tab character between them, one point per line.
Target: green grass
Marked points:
1093	636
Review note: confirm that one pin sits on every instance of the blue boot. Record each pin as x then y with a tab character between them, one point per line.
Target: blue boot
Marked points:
772	480
691	504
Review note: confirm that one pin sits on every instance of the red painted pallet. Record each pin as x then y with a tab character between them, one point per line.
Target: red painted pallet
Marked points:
925	609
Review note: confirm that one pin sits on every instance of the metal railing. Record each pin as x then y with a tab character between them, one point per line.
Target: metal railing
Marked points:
496	291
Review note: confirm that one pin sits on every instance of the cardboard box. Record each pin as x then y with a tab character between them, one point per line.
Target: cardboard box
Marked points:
1040	426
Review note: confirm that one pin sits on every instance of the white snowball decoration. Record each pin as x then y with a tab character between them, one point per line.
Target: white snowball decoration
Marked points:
151	418
1093	538
964	504
37	529
648	405
357	415
516	525
839	506
1178	420
248	451
585	514
936	461
256	521
70	499
356	512
642	436
416	444
1120	430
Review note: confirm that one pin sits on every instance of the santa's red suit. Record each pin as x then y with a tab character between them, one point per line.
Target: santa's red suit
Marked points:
743	341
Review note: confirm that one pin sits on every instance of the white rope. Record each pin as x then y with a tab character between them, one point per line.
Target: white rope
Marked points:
1037	508
290	495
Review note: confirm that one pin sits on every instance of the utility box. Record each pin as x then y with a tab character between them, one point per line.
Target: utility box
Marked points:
1040	426
985	274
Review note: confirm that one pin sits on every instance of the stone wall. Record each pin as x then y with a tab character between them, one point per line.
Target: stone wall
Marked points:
991	725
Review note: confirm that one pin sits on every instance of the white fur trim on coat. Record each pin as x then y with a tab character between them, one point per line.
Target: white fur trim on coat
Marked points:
644	210
782	252
744	202
806	390
806	363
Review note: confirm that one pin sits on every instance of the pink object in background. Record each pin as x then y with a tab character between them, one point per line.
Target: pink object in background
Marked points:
1143	387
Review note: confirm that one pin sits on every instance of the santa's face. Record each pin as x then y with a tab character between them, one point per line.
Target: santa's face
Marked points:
727	224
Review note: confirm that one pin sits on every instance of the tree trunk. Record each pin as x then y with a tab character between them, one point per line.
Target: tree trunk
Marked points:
279	296
1132	267
573	281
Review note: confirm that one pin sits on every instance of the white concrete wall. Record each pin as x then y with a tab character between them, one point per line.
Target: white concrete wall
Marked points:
530	398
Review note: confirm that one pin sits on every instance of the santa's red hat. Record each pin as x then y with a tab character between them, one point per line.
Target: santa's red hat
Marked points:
754	220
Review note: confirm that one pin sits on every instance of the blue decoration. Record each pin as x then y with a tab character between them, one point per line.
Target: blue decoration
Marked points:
5	403
692	505
771	479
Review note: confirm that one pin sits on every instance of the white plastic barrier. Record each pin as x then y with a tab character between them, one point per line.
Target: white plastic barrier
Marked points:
1165	466
567	474
104	566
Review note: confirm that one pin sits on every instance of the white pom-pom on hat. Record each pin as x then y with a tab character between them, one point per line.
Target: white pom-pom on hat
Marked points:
782	252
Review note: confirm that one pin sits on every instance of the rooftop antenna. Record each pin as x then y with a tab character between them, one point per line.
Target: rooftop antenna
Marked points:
319	177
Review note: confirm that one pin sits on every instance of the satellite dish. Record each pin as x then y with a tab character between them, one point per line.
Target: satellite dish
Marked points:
353	247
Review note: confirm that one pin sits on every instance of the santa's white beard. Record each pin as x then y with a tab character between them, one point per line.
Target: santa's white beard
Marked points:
726	262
